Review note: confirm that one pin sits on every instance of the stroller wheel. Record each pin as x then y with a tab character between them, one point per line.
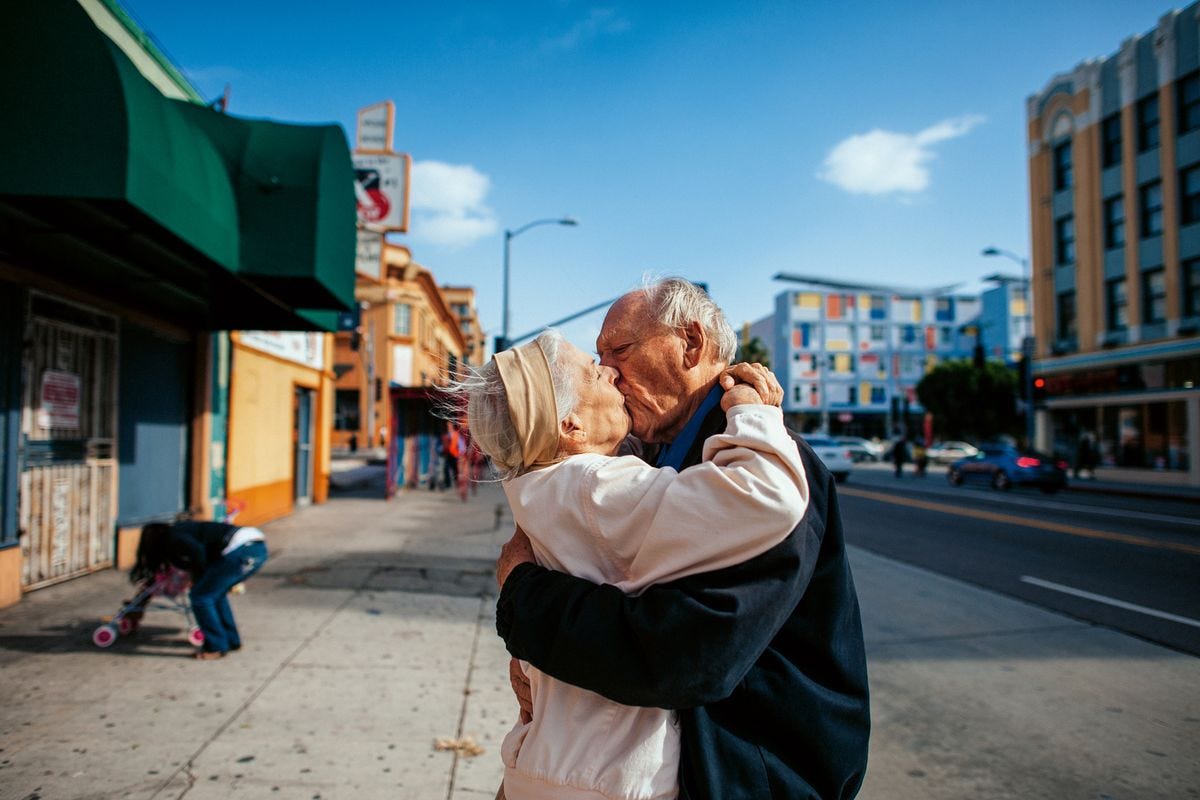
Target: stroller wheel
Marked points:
104	635
195	636
127	625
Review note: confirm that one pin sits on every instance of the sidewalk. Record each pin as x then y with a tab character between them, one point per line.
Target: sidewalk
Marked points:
369	635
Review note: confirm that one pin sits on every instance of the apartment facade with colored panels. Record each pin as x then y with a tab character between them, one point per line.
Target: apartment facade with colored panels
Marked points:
1114	168
850	355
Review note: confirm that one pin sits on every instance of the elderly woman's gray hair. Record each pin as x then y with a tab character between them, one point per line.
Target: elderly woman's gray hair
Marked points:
483	393
678	302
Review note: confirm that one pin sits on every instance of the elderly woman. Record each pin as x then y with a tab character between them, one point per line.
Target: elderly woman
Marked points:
552	421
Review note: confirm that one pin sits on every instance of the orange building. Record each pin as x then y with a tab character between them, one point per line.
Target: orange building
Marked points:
409	341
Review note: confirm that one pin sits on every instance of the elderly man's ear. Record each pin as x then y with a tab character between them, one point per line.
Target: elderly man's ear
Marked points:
694	342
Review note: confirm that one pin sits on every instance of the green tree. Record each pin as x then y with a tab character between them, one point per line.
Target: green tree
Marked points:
969	402
754	352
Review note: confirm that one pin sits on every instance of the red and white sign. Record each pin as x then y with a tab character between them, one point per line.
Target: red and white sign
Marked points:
381	190
60	400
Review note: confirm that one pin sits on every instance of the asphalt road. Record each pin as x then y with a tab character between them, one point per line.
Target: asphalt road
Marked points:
1130	564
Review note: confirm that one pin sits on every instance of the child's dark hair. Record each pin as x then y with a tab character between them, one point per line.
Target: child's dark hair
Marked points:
152	552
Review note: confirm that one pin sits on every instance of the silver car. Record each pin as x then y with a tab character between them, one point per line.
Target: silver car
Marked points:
837	458
949	452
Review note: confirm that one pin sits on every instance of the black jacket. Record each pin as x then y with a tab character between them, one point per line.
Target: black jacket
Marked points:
194	544
764	660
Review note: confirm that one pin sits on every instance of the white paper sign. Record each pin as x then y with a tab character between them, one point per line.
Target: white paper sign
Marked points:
369	255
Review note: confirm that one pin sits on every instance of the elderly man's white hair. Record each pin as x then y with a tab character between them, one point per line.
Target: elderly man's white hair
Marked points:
678	301
483	393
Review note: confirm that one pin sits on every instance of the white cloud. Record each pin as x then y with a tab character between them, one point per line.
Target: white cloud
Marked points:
598	22
882	162
448	204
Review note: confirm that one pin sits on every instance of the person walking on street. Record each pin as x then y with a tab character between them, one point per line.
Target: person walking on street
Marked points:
218	556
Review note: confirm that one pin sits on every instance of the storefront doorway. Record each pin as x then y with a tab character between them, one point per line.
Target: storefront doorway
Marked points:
303	437
67	502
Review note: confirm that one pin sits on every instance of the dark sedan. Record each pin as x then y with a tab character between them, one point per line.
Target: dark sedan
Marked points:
1004	467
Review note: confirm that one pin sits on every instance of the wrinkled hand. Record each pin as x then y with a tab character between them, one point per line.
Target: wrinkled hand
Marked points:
749	383
520	687
516	551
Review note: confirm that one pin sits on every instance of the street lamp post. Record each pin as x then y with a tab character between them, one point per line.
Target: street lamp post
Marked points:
1028	342
509	235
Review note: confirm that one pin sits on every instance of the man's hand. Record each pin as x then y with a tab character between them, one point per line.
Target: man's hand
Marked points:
516	551
749	383
520	687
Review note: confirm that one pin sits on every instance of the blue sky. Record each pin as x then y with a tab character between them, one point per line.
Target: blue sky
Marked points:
725	142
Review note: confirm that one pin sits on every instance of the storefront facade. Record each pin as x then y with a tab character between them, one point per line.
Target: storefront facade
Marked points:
137	225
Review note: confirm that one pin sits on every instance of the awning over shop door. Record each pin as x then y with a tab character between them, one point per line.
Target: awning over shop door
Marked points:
236	223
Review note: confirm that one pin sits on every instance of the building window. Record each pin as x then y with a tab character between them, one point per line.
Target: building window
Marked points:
1062	166
1151	203
878	395
1189	195
1114	295
1066	315
878	306
944	309
1191	287
1064	239
1147	123
1187	94
1154	296
1114	222
1110	132
878	333
402	323
908	334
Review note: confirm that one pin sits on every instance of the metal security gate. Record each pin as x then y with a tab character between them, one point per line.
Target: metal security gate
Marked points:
67	506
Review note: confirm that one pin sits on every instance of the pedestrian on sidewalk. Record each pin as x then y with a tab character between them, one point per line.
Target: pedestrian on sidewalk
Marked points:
764	659
621	521
900	453
218	556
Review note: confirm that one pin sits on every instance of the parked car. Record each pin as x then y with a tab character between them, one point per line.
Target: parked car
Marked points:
949	452
1004	467
836	457
860	449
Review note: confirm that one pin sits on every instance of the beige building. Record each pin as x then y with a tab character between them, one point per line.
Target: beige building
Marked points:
1114	169
410	340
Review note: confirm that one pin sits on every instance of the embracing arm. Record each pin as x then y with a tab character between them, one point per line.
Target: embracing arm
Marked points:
677	645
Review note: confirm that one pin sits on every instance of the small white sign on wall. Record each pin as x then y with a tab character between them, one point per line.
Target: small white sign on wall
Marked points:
402	364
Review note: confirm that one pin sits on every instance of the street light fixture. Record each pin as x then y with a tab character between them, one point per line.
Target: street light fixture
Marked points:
1027	344
509	235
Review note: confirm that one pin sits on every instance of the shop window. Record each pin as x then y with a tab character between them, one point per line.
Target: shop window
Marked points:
1064	239
1062	166
1152	209
1114	222
1187	94
402	322
1189	195
1191	287
1066	315
346	410
1110	132
1147	123
1154	296
1115	300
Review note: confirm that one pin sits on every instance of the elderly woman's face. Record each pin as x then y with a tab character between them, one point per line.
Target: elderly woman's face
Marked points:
600	406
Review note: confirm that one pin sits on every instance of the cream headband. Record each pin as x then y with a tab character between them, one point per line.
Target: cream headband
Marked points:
525	374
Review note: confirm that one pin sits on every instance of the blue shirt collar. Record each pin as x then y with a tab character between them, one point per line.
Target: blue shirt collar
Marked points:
673	454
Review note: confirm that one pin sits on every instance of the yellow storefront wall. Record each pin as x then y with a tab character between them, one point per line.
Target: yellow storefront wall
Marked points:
261	462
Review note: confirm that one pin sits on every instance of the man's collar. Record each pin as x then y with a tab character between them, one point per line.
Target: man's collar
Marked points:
673	454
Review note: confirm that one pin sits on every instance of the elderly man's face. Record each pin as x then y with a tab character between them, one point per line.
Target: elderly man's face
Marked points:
650	359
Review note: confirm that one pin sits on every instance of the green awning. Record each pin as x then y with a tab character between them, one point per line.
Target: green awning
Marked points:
238	222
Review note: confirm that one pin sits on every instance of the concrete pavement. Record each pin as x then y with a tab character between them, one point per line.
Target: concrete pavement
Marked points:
369	635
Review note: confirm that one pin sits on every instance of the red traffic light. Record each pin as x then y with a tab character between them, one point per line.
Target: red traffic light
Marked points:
1039	383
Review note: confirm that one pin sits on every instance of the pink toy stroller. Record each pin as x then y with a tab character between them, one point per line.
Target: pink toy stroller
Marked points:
171	586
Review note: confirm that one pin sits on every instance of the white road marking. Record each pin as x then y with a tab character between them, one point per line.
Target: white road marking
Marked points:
1099	598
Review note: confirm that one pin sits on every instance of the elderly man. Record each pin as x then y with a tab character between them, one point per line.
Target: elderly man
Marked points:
764	660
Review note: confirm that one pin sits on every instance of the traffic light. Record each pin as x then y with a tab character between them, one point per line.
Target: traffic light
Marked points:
1039	390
